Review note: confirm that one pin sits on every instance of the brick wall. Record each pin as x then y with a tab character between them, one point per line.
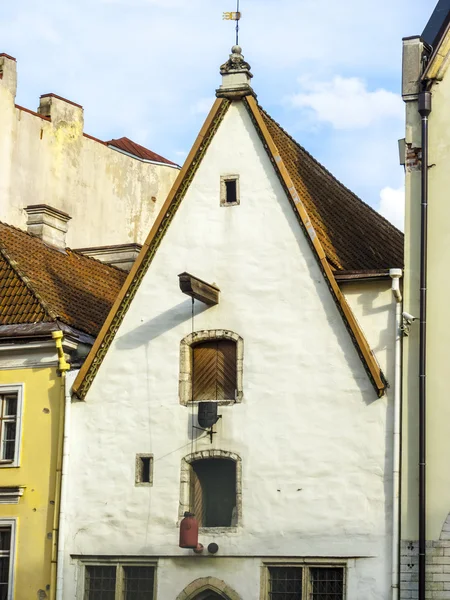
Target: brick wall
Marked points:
437	571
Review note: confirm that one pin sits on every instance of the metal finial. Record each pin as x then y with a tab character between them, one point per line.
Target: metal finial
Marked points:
234	16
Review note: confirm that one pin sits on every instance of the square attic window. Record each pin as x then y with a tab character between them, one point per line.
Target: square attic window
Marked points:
229	190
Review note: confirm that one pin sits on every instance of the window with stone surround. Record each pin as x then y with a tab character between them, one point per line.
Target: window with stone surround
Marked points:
304	581
211	367
211	488
112	580
229	190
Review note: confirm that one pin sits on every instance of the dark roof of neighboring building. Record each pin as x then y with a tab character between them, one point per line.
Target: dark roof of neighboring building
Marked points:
131	147
437	23
354	236
39	284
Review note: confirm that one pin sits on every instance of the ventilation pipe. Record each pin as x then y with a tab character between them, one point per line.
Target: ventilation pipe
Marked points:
424	111
396	275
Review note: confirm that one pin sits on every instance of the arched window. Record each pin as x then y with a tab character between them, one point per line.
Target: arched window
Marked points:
211	488
211	367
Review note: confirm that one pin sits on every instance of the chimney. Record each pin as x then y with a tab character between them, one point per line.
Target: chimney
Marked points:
61	110
8	73
48	223
236	77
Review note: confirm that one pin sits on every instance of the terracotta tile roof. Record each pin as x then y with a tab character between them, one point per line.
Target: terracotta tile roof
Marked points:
41	284
354	236
131	147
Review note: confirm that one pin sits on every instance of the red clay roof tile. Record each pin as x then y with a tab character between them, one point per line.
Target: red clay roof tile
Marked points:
131	147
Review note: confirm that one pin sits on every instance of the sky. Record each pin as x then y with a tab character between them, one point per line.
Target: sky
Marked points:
328	71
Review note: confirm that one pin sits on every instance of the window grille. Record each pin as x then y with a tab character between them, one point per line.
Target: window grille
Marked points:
286	583
8	426
119	582
139	583
5	557
213	492
100	583
305	583
214	370
327	583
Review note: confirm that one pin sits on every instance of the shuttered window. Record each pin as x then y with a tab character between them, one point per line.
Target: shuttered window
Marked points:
213	492
214	370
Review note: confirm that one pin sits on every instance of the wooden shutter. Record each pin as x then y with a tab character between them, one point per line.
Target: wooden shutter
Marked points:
196	502
214	370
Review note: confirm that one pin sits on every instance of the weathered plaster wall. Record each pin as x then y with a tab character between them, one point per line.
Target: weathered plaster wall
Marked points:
438	323
36	473
313	438
112	198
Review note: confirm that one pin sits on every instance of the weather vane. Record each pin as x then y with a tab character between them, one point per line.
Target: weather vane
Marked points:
234	16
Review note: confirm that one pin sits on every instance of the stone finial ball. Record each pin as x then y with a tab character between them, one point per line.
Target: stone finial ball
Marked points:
236	50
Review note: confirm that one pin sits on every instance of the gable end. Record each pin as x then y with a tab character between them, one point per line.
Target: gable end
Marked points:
95	358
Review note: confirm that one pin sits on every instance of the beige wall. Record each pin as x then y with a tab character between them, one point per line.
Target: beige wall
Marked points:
111	197
438	322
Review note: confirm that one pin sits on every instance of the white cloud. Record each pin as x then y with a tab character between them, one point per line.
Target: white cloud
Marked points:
346	103
392	206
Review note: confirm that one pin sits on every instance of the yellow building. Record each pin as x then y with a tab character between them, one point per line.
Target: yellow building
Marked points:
48	295
425	527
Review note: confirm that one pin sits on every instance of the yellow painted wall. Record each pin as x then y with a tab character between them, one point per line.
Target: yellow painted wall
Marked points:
42	403
438	322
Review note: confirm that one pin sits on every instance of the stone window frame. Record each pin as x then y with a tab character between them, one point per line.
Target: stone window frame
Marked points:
306	564
223	190
138	466
186	356
119	562
184	504
208	584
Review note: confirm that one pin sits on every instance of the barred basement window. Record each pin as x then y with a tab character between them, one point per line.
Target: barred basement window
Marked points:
119	582
305	582
214	370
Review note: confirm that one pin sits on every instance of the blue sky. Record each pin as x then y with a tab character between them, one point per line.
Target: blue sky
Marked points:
329	71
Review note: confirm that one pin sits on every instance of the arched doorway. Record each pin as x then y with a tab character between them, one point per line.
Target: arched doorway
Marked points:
208	588
208	595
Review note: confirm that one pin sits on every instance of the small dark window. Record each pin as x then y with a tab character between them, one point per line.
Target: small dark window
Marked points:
213	492
214	370
231	191
327	583
100	583
144	469
286	583
5	556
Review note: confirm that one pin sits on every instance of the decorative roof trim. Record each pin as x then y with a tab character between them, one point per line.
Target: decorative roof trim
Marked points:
120	307
370	363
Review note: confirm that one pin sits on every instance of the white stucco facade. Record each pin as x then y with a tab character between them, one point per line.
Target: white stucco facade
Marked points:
111	197
313	439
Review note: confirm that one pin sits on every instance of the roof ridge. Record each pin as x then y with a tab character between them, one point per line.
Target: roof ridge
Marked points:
327	171
66	248
27	282
97	260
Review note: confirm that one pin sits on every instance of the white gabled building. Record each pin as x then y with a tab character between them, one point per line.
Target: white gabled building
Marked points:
294	485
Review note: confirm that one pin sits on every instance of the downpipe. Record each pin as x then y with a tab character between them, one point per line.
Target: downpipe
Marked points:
424	107
396	274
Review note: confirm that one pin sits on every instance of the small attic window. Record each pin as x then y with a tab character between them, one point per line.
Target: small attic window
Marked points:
229	190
